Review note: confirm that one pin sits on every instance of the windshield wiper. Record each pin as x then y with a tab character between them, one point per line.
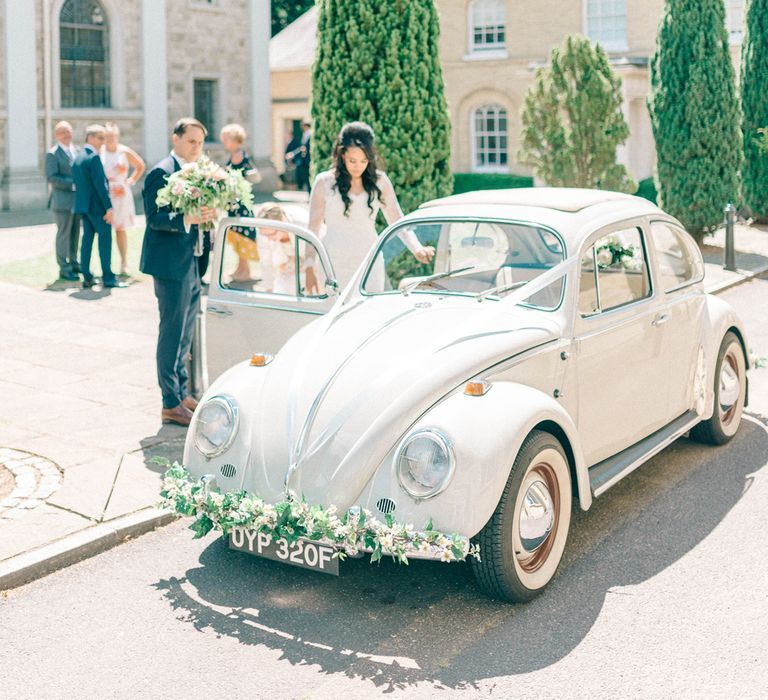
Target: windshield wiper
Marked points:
500	288
440	275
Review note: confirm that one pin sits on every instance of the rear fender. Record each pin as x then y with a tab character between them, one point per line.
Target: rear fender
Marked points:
720	318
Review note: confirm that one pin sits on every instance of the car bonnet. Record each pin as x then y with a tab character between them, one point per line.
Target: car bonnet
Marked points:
343	392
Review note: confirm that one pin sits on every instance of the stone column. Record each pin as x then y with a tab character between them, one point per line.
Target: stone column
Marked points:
154	77
23	183
259	19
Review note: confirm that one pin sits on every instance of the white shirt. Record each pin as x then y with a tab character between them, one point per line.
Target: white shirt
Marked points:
178	158
69	150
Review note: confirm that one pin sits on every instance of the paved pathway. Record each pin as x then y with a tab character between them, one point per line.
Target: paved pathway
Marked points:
80	416
80	402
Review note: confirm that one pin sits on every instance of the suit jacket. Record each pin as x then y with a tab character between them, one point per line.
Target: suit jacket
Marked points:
167	250
58	172
91	187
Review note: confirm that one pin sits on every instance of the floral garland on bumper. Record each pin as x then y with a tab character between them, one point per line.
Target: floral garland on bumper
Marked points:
349	533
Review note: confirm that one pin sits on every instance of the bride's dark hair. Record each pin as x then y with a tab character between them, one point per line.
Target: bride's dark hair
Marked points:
359	135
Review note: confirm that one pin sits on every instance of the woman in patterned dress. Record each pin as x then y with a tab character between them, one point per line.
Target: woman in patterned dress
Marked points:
243	240
118	159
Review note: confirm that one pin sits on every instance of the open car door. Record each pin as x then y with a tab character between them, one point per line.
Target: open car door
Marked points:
289	282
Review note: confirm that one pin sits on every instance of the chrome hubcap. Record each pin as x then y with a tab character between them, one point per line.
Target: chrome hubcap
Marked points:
730	387
537	516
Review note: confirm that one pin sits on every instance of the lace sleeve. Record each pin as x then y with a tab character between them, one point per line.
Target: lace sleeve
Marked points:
392	213
316	215
317	205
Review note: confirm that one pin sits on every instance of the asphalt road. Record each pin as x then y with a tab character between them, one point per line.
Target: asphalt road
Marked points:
663	593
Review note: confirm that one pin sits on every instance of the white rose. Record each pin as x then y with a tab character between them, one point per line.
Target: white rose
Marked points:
604	257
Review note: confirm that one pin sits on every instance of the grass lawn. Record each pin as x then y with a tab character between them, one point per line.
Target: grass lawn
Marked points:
41	272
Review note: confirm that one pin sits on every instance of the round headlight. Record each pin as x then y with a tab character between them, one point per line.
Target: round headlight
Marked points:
424	463
215	425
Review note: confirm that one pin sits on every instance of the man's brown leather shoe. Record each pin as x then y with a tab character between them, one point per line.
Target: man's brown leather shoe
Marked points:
190	403
180	415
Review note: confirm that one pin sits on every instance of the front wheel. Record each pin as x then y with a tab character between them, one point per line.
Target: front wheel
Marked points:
730	393
523	542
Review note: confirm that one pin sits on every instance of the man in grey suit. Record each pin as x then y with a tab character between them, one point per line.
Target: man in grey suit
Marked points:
58	172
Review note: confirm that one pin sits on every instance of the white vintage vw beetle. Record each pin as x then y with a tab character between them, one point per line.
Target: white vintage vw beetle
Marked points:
558	339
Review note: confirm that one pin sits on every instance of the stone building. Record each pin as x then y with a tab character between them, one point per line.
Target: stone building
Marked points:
489	51
140	63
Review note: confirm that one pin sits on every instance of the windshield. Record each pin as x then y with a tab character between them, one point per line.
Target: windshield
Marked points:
478	258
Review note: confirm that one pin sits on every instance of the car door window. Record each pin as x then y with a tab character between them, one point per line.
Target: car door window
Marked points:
270	261
614	272
588	303
678	256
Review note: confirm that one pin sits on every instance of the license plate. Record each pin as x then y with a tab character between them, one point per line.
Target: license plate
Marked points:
303	553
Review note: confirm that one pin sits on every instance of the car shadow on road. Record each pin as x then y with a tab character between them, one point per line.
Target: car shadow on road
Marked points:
166	444
399	626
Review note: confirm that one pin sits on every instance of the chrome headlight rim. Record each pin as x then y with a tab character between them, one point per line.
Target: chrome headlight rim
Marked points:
230	406
440	438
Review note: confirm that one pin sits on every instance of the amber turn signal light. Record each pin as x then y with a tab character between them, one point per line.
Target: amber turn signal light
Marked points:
477	388
260	359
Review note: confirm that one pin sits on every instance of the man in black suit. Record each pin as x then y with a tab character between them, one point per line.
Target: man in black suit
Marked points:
58	172
93	204
175	253
303	157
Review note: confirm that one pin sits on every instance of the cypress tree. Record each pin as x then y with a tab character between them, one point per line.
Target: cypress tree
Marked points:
378	62
754	108
694	114
572	120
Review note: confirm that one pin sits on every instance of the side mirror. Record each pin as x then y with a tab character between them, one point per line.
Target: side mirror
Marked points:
332	287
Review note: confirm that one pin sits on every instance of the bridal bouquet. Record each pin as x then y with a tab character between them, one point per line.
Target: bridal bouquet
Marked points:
205	184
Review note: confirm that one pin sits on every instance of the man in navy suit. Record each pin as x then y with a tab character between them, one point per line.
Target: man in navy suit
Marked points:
58	172
93	204
175	253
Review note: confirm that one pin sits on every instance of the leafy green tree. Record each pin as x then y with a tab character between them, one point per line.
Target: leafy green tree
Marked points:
694	114
285	11
572	120
754	108
378	62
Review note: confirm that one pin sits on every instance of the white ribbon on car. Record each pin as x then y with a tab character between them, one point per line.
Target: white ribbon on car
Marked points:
300	447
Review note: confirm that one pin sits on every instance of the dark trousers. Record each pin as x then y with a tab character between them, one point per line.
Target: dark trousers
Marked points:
302	177
67	238
95	225
178	302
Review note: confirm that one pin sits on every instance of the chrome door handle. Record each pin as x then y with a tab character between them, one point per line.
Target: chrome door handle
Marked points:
218	312
660	320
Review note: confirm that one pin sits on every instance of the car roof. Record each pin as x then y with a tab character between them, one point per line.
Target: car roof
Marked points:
572	212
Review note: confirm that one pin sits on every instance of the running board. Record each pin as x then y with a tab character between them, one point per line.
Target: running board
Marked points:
610	471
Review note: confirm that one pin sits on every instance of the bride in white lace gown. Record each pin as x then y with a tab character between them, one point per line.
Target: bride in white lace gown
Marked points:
348	198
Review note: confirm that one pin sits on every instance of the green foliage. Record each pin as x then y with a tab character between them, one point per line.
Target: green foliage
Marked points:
404	264
292	519
286	11
647	189
754	108
378	62
469	182
572	120
694	114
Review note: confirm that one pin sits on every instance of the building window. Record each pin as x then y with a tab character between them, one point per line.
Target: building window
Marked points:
489	124
206	95
734	20
606	23
84	54
488	20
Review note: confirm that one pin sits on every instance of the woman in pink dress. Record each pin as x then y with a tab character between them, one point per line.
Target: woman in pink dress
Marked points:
118	160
